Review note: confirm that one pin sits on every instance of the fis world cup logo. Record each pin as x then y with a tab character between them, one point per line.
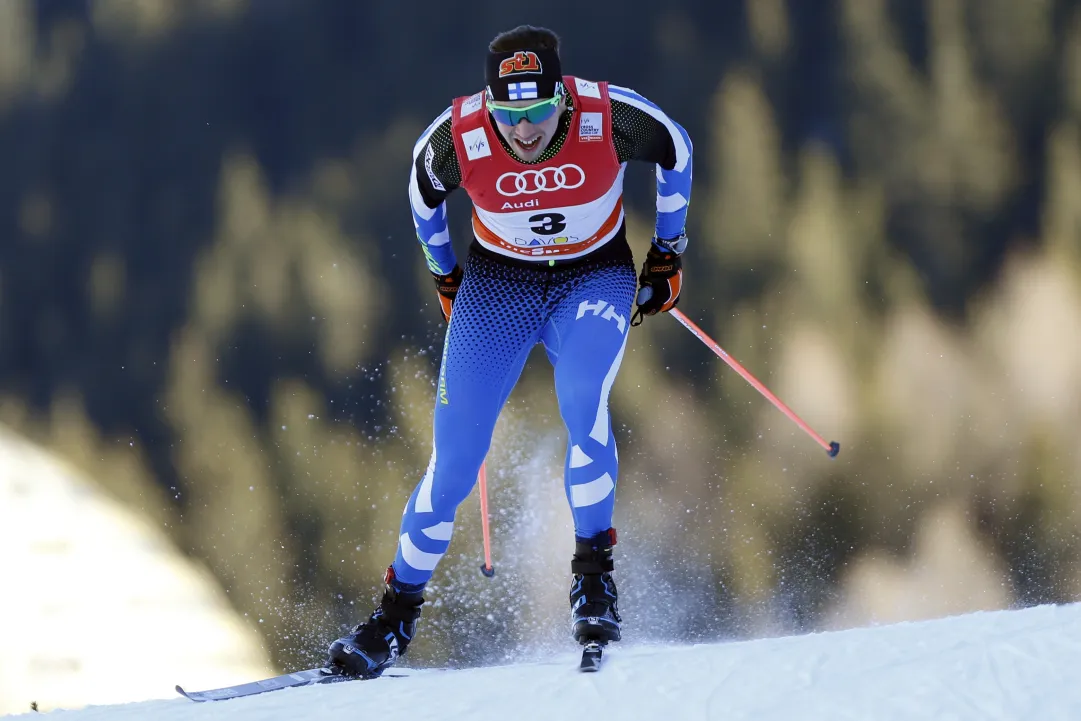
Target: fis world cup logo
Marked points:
523	61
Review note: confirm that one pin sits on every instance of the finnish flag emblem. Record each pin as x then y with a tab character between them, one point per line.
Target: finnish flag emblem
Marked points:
521	91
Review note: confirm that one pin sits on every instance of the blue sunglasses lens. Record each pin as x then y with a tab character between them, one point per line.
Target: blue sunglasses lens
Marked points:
513	116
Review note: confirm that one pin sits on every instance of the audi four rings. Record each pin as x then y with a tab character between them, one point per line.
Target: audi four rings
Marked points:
530	182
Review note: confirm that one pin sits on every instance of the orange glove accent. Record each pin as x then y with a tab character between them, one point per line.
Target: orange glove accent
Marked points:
447	286
659	284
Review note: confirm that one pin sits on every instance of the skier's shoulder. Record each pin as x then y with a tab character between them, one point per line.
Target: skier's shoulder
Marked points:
645	131
440	126
586	87
624	98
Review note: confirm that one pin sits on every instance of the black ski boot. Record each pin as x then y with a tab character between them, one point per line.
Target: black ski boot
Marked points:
374	646
594	616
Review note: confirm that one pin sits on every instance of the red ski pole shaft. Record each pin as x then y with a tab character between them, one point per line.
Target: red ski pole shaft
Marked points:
482	480
832	447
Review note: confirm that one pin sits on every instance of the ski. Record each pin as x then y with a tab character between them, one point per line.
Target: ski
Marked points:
591	661
307	677
591	657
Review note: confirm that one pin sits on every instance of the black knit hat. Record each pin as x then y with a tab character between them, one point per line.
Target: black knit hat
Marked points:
523	75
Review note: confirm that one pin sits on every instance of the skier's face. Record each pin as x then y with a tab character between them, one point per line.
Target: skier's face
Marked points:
531	134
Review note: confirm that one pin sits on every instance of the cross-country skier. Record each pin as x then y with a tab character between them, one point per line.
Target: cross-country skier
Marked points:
542	156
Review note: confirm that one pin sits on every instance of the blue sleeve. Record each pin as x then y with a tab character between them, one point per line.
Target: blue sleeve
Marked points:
427	200
674	184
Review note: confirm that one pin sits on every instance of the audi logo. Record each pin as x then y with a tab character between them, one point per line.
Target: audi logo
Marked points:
530	182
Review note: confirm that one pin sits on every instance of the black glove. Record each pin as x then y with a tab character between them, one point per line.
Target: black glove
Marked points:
448	286
661	278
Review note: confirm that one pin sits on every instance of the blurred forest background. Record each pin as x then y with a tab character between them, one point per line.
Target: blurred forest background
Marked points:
211	299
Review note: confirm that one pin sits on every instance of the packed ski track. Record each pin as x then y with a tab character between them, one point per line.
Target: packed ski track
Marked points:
997	665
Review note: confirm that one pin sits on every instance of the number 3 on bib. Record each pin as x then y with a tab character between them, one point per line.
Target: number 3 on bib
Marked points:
548	223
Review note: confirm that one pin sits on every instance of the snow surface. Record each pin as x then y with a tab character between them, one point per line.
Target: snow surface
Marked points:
75	559
996	665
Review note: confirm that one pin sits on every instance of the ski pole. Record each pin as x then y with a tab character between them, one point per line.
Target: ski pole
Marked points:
832	447
482	480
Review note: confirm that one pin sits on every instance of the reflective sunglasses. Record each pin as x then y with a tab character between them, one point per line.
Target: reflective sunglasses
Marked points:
536	113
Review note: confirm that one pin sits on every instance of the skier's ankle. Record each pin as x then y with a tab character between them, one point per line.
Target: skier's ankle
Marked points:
401	593
593	554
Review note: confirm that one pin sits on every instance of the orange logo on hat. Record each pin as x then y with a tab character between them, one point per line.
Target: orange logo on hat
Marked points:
521	62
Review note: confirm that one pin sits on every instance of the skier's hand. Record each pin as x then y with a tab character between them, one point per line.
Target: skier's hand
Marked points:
661	279
447	286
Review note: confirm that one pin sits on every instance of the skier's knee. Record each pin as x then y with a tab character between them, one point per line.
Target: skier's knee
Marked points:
584	412
446	485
